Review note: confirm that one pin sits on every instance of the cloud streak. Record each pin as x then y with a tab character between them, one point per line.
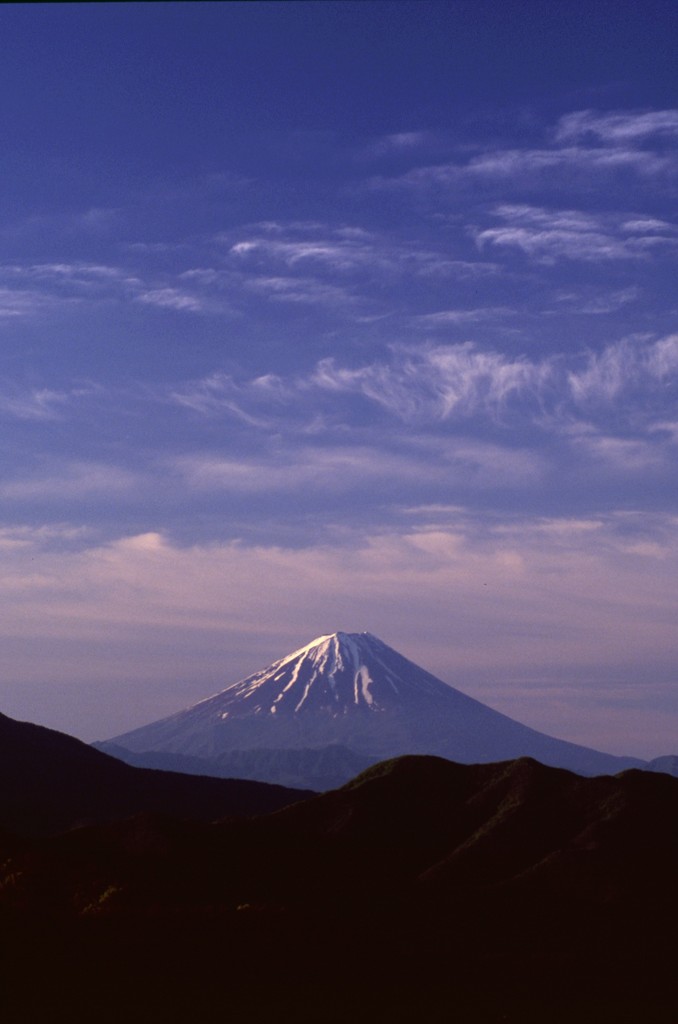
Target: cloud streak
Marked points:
549	235
441	382
71	482
617	126
437	382
584	145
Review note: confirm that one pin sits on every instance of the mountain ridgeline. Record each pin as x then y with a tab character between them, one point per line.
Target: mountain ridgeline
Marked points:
52	782
502	893
423	890
351	693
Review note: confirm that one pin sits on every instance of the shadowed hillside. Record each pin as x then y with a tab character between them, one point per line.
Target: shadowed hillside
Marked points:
423	890
51	782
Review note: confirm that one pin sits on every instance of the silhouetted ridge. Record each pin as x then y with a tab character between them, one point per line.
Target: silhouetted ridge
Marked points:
422	890
51	781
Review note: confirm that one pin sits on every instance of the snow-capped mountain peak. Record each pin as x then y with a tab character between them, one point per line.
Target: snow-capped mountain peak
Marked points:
337	674
353	690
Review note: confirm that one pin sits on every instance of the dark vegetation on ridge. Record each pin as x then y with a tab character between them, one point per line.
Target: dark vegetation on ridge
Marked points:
423	890
51	782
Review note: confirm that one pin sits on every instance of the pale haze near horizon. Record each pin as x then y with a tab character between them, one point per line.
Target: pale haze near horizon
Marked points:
352	316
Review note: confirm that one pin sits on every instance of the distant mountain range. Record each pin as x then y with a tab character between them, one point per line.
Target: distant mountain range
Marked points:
317	716
317	768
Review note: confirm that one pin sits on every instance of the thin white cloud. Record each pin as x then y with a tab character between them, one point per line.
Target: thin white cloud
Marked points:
629	363
173	298
338	469
37	404
618	126
445	317
572	160
627	455
667	428
79	271
547	235
348	252
606	374
643	225
70	481
78	277
585	146
597	302
662	357
348	255
438	382
302	290
433	384
219	393
397	143
33	537
573	164
479	464
23	302
41	285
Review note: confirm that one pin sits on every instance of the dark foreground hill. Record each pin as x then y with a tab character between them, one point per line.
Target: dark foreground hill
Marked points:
423	891
50	782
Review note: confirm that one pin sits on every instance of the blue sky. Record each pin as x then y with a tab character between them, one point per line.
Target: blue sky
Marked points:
323	316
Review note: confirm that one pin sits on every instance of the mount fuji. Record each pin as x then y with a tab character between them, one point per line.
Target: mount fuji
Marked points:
347	692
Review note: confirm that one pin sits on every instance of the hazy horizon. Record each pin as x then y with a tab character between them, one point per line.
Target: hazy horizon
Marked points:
340	316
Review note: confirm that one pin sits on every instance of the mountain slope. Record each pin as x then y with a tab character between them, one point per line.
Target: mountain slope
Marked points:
668	763
423	890
51	781
414	824
355	691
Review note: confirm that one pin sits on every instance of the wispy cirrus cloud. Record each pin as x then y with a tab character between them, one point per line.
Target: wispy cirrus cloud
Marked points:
571	164
345	251
37	286
349	469
584	147
173	298
397	143
445	317
41	403
596	301
438	381
69	481
570	160
35	404
301	290
339	255
249	401
23	302
547	235
306	469
624	366
618	126
429	383
619	454
78	276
